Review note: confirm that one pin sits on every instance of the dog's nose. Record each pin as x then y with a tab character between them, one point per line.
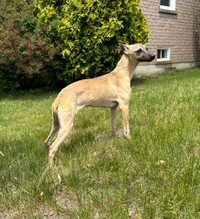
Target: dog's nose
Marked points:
152	57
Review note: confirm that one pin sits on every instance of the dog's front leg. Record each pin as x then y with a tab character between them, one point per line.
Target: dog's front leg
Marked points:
124	112
113	112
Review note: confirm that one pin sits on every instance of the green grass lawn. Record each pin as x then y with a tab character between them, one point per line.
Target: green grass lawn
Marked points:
156	174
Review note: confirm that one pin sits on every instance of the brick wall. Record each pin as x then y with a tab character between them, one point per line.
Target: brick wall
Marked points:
174	30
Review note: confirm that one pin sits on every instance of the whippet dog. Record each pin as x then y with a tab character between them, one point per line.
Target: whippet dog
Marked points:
109	91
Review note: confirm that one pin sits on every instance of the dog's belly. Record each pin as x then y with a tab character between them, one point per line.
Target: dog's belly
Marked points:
105	104
108	104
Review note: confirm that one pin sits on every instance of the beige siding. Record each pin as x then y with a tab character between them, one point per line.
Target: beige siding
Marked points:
176	31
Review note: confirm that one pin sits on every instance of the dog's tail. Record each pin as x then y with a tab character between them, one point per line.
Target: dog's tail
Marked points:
55	125
55	114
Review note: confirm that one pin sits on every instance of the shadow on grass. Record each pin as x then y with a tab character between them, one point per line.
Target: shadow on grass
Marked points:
79	141
27	95
139	80
76	141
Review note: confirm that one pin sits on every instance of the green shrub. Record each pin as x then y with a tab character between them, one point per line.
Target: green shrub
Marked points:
24	49
89	32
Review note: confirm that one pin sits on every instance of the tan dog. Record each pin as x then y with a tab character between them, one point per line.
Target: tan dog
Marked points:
110	91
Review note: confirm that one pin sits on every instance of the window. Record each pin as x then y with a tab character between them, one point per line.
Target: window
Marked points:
163	54
168	5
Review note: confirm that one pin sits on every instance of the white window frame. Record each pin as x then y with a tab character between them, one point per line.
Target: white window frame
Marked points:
167	58
171	7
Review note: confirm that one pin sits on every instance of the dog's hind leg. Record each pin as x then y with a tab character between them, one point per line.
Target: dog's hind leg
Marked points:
54	129
66	120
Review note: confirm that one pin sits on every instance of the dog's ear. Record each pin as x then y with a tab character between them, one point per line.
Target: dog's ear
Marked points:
124	48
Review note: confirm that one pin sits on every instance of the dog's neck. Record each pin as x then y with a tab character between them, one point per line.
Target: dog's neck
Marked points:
127	64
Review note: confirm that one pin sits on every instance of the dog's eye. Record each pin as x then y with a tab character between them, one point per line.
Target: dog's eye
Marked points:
138	51
147	49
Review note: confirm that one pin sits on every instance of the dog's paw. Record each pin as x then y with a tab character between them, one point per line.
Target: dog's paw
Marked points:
46	145
128	137
113	133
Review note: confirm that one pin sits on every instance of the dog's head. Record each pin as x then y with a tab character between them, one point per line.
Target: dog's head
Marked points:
139	51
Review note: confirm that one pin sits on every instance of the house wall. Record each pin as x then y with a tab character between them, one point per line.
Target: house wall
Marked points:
173	29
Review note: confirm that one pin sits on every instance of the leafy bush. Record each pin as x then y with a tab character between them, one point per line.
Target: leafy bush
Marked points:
24	49
89	32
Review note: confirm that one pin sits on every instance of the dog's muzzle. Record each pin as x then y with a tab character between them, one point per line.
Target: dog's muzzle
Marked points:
146	58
